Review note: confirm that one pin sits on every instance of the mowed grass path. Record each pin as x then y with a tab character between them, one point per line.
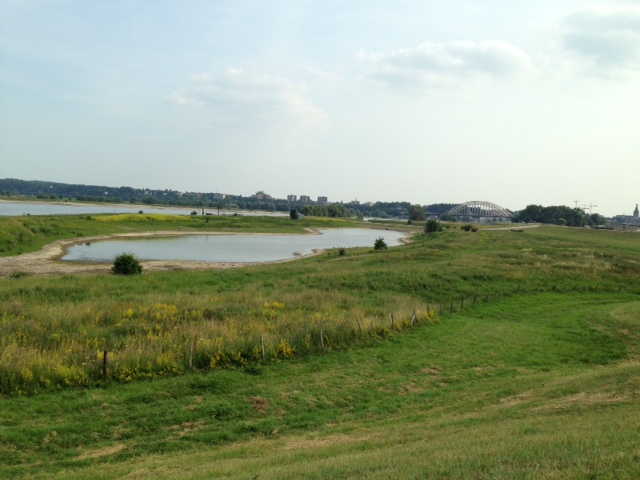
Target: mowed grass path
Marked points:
538	378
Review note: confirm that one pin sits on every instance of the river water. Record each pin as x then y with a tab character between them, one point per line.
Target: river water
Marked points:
11	208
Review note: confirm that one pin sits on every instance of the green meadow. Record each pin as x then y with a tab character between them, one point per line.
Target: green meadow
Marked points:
492	354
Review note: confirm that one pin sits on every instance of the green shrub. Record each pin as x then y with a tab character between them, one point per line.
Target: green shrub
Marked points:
466	227
126	264
432	226
380	244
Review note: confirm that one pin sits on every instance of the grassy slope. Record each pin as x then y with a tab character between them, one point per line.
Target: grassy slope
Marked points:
538	379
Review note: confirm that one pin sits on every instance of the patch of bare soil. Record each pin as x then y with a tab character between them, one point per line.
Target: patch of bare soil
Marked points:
260	405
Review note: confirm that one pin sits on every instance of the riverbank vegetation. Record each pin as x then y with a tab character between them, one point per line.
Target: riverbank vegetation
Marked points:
522	361
30	233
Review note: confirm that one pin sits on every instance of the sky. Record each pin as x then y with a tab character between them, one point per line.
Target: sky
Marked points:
431	101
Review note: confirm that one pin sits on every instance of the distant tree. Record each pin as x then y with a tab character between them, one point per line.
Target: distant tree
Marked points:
417	213
432	226
439	208
293	214
126	264
448	218
380	244
338	210
597	219
557	215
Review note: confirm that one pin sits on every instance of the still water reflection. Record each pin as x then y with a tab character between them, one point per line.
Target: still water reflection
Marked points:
230	248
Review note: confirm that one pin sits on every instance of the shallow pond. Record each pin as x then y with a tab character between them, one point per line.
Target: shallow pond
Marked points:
229	248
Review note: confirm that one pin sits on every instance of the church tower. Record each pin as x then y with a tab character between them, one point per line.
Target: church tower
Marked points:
635	212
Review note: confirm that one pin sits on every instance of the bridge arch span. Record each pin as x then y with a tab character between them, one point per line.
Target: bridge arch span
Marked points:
479	208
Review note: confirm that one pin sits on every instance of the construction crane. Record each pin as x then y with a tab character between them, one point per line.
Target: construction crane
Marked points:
591	205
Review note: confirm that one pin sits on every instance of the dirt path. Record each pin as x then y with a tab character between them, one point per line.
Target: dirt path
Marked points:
47	261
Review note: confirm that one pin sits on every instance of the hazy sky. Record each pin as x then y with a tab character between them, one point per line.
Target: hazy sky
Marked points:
513	102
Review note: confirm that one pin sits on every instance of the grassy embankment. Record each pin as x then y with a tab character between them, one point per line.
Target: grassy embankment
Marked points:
57	336
536	377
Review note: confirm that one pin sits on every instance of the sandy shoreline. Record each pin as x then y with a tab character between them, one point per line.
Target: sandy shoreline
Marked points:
47	260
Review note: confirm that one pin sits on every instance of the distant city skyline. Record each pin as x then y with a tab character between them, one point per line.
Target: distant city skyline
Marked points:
514	103
261	195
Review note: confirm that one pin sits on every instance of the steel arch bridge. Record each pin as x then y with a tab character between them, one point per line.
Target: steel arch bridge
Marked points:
477	208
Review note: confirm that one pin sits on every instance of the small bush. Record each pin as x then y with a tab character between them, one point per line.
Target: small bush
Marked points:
432	226
126	264
380	244
466	227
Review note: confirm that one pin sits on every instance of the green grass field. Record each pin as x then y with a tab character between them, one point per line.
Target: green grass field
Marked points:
524	362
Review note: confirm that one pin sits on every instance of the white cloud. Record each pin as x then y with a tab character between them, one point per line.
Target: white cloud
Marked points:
607	36
454	64
324	75
239	97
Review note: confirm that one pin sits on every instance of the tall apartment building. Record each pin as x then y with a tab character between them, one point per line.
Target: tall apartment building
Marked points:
305	199
262	196
322	200
292	198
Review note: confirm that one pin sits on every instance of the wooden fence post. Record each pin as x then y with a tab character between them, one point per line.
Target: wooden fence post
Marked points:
359	325
393	323
321	340
262	346
104	364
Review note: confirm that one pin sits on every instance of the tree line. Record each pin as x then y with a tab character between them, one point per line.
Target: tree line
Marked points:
558	215
43	190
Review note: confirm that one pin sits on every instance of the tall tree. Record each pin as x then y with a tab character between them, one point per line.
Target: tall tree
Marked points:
417	213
